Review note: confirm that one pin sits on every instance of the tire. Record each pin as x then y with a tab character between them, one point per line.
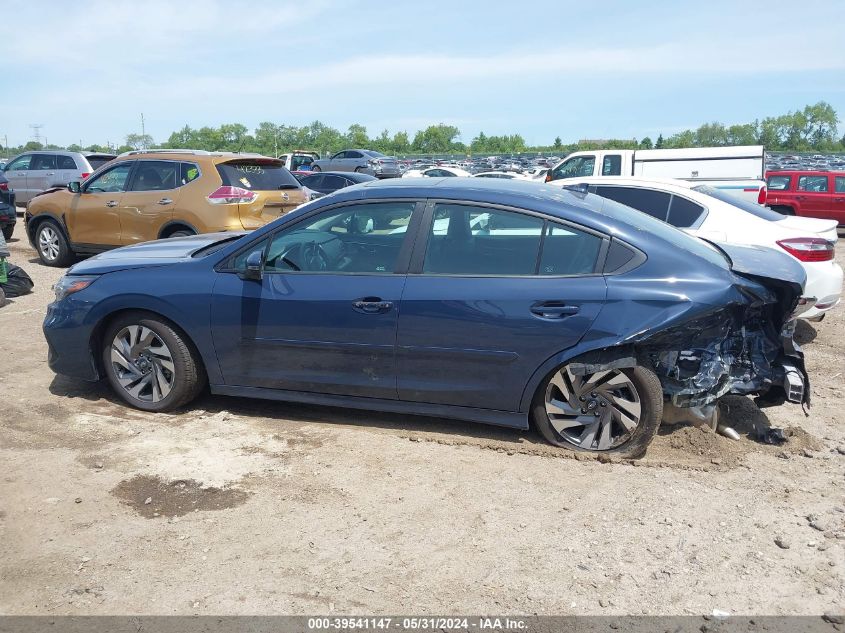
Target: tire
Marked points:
155	367
52	246
8	231
316	168
181	233
623	392
359	170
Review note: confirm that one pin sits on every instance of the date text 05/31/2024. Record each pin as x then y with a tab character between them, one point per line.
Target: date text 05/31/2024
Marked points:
431	623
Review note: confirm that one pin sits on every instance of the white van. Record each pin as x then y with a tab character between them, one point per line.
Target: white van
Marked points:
739	170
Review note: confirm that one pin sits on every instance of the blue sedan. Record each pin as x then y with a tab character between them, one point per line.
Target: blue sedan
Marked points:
505	302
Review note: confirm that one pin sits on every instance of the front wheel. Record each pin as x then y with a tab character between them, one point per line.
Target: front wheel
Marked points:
183	233
52	246
616	411
150	364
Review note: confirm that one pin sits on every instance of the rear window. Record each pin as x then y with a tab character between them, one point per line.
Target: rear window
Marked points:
746	205
778	183
66	162
98	161
256	175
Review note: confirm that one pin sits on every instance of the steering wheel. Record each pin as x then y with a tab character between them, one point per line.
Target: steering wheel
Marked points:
311	254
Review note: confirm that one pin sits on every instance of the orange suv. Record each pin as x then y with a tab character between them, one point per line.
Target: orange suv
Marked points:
152	194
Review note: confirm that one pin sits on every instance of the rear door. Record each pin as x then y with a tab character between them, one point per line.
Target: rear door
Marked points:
839	199
814	194
42	173
493	294
149	202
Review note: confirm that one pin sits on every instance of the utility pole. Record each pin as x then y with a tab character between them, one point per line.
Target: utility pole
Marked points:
143	132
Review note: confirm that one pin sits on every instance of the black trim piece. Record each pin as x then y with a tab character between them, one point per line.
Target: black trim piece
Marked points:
421	245
81	247
637	260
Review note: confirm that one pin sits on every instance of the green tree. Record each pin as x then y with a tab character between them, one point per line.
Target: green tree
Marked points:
356	136
558	143
401	143
139	141
646	143
437	139
711	135
660	142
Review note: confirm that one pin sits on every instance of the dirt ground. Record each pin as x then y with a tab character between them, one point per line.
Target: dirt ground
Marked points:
239	506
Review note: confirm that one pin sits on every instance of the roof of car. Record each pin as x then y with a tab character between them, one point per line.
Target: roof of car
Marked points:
803	172
631	180
195	154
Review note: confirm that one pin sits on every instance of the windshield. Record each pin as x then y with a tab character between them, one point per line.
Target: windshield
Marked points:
757	210
257	175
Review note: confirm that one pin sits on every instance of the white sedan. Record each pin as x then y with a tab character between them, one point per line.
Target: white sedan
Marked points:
717	215
505	175
436	172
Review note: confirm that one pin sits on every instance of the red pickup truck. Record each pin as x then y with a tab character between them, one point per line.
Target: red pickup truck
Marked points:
814	194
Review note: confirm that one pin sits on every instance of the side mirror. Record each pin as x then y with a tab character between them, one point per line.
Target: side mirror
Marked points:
74	186
254	266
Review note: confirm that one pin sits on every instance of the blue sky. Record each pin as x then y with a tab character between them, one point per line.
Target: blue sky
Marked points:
542	69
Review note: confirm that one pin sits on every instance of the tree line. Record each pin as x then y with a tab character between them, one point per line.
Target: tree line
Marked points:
812	129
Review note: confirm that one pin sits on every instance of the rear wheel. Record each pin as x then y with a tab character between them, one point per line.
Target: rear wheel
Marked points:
615	411
51	244
150	364
182	233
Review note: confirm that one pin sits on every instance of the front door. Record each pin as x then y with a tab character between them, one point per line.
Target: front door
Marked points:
148	204
93	216
15	173
839	200
499	293
323	317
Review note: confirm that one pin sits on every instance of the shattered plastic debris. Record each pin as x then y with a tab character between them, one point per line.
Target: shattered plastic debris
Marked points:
770	435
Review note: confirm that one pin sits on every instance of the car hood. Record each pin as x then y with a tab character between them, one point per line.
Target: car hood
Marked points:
157	253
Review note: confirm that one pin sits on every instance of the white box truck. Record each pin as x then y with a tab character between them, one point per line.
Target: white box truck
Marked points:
739	170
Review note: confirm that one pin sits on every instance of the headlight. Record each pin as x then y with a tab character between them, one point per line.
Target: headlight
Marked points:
70	284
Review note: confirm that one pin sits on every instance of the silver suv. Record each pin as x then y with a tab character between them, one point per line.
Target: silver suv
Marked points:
31	173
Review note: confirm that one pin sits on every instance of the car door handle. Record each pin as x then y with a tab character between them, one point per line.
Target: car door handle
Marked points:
371	305
839	199
800	197
553	309
164	201
51	173
111	203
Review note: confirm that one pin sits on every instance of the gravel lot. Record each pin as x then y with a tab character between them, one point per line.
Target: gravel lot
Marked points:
239	506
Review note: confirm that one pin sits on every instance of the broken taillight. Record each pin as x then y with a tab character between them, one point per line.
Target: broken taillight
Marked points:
808	249
232	195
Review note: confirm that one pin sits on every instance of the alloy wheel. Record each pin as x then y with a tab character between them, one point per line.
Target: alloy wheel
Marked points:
595	412
142	363
48	243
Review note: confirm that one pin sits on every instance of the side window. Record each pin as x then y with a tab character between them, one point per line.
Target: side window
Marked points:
575	167
654	203
568	251
612	165
43	162
354	155
815	184
155	175
188	172
684	213
238	262
469	240
20	164
778	183
339	155
840	184
313	182
66	162
113	180
362	238
330	181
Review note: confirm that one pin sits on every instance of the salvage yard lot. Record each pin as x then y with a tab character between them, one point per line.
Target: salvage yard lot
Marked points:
238	506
